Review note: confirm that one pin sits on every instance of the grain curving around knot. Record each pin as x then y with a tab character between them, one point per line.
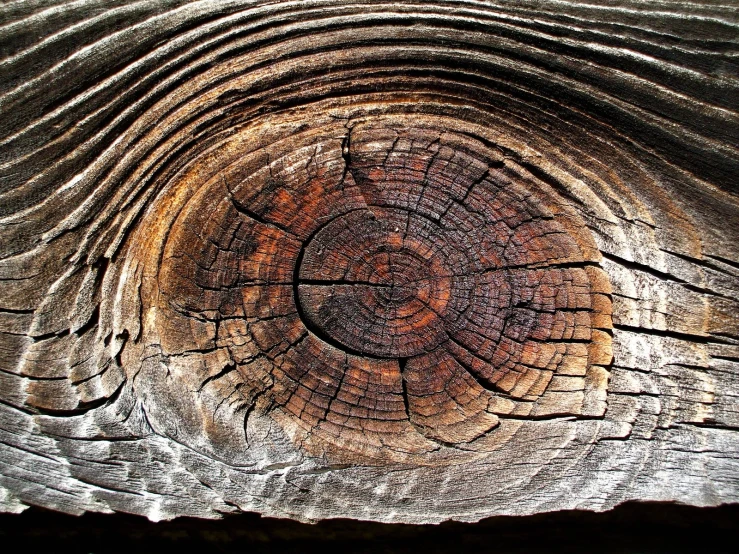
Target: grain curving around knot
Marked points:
402	262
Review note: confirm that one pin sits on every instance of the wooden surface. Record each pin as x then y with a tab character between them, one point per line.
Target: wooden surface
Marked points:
403	262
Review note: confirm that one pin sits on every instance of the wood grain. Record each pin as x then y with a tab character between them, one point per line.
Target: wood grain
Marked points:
402	262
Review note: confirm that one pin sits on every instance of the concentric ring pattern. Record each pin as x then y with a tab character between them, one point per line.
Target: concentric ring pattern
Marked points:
381	284
456	238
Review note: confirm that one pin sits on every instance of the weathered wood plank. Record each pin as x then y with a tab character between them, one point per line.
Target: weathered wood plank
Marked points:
407	262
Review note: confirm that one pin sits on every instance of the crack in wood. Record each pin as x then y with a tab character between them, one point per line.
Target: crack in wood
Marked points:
346	260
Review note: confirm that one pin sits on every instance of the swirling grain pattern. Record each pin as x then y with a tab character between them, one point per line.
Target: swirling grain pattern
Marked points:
394	261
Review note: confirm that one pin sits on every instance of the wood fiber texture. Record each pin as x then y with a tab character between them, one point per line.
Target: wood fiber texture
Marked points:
403	262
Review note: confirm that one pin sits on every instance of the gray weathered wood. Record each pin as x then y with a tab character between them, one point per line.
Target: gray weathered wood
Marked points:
126	130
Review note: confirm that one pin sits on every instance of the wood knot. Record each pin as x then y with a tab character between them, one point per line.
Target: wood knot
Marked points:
370	289
388	292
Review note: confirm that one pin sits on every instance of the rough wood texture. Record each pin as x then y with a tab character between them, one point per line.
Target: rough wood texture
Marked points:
402	262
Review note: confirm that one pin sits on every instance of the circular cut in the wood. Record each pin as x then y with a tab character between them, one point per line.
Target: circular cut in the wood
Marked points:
390	290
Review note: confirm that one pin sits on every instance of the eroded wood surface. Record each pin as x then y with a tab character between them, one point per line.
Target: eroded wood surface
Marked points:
401	262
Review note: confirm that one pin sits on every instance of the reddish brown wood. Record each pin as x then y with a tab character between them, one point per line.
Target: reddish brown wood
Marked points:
395	285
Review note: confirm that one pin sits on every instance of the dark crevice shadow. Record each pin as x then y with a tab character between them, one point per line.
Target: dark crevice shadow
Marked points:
630	527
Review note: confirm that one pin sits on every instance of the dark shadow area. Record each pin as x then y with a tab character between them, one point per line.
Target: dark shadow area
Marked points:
631	527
